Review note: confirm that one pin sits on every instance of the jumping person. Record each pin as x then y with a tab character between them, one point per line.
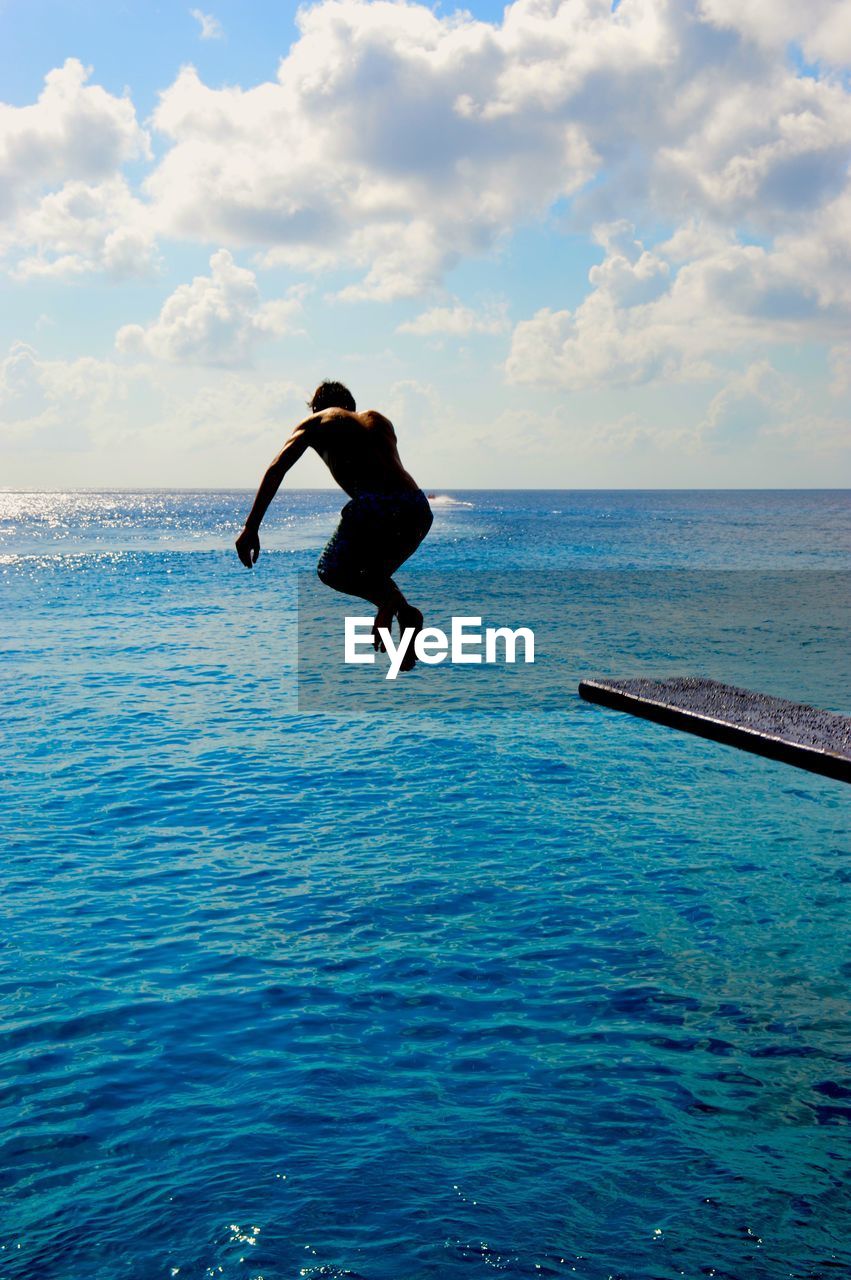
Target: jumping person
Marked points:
383	524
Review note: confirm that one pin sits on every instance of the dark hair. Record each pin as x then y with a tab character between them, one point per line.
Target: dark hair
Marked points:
332	395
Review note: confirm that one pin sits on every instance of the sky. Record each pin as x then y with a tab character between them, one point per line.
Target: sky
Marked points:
569	245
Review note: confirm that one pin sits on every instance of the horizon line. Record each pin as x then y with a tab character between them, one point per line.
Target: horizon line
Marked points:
437	491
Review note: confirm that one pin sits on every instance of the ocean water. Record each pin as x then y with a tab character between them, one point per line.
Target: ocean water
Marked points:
548	992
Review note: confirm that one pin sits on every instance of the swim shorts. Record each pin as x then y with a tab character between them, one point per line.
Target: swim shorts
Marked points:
377	532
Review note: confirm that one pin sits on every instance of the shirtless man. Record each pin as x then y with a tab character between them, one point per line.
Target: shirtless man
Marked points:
383	524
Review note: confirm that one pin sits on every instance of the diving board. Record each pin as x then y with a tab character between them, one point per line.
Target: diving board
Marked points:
788	731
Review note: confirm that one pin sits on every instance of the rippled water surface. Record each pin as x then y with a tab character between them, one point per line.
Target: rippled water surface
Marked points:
403	997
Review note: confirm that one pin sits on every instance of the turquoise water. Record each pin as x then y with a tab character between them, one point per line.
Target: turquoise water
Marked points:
532	994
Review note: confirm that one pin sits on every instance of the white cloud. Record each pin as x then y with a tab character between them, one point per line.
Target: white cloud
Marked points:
628	330
763	406
368	152
67	404
822	28
234	408
457	321
180	405
820	253
211	28
767	159
629	274
216	320
747	404
22	398
654	315
64	208
75	131
840	365
396	142
84	228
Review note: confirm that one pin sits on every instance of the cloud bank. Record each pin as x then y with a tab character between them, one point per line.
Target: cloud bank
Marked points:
394	142
702	144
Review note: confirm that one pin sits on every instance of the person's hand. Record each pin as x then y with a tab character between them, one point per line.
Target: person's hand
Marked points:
248	546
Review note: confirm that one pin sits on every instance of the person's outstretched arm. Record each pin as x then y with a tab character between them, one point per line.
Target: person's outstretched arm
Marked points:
248	542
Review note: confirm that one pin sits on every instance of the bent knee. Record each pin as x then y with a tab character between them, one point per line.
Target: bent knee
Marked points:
333	575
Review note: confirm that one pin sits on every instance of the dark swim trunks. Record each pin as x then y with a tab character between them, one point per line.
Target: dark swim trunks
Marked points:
377	532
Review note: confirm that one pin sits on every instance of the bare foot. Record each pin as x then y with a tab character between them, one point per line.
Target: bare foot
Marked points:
384	618
409	616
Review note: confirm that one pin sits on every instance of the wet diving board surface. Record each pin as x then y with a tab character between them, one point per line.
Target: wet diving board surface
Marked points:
789	731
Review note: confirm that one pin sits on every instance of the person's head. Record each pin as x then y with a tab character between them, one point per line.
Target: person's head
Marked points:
332	395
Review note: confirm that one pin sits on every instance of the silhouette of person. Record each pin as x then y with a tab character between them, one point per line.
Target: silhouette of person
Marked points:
383	524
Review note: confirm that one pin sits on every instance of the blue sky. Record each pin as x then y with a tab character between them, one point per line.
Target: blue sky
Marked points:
559	245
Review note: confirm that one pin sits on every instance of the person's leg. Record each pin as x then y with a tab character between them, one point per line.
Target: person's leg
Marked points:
382	592
350	564
376	534
389	601
411	520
